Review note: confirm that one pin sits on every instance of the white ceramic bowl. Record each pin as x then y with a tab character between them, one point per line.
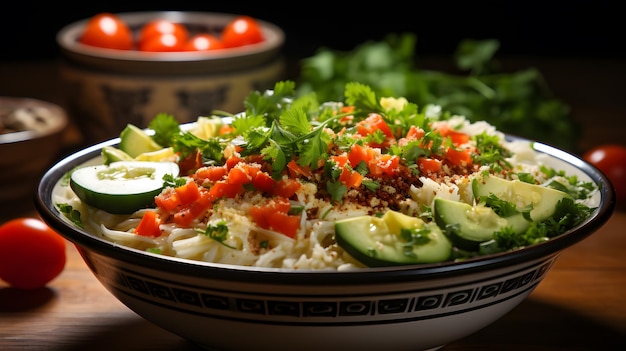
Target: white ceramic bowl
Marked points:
226	307
30	142
106	88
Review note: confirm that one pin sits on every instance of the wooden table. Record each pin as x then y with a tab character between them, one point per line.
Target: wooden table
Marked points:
580	305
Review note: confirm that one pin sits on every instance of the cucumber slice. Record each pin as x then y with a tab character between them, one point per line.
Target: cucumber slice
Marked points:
135	141
121	187
378	241
521	194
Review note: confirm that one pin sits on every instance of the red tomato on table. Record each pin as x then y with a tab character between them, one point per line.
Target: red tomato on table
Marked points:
611	160
106	30
242	30
31	253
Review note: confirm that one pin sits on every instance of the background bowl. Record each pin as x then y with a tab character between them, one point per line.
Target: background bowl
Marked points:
106	88
31	133
394	308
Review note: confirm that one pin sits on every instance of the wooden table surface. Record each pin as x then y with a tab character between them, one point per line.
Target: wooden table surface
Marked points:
580	305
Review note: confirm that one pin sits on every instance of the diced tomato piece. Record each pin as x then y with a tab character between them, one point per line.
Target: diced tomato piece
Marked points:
456	137
226	129
284	223
193	210
295	170
190	163
238	176
168	200
360	153
259	216
351	178
384	164
188	193
429	165
212	173
340	160
149	225
232	161
415	133
457	156
286	188
223	189
274	215
263	182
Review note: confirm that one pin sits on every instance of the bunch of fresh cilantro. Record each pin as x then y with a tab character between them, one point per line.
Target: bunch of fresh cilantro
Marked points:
518	103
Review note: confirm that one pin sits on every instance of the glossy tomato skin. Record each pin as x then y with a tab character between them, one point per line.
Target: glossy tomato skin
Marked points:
107	30
611	160
204	42
163	43
242	30
158	27
31	253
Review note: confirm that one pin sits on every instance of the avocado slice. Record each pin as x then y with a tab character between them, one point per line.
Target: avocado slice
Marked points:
135	141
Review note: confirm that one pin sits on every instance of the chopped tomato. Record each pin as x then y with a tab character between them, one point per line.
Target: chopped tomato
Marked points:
456	137
373	123
212	173
458	157
415	133
149	225
295	170
351	178
193	210
223	189
263	182
168	200
232	161
429	165
360	153
286	188
384	164
274	215
190	163
284	223
188	193
238	176
226	129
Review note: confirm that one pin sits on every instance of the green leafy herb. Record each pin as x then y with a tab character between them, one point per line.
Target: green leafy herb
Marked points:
518	102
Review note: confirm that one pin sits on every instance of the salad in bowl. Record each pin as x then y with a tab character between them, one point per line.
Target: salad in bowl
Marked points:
294	183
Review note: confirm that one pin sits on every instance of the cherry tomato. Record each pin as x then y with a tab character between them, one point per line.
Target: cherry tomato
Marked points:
204	42
243	30
163	43
611	160
157	28
31	253
106	30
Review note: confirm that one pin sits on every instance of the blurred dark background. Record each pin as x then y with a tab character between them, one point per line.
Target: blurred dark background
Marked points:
524	28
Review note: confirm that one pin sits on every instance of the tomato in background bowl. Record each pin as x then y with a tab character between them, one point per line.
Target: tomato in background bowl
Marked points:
611	160
107	30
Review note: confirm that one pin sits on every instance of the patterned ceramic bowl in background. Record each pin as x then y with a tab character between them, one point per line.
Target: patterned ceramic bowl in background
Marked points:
228	307
106	89
31	133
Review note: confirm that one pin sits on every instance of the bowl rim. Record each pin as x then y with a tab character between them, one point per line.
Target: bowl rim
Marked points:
58	123
138	61
552	247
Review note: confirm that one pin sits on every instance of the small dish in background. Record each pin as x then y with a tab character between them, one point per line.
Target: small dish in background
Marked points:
31	133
